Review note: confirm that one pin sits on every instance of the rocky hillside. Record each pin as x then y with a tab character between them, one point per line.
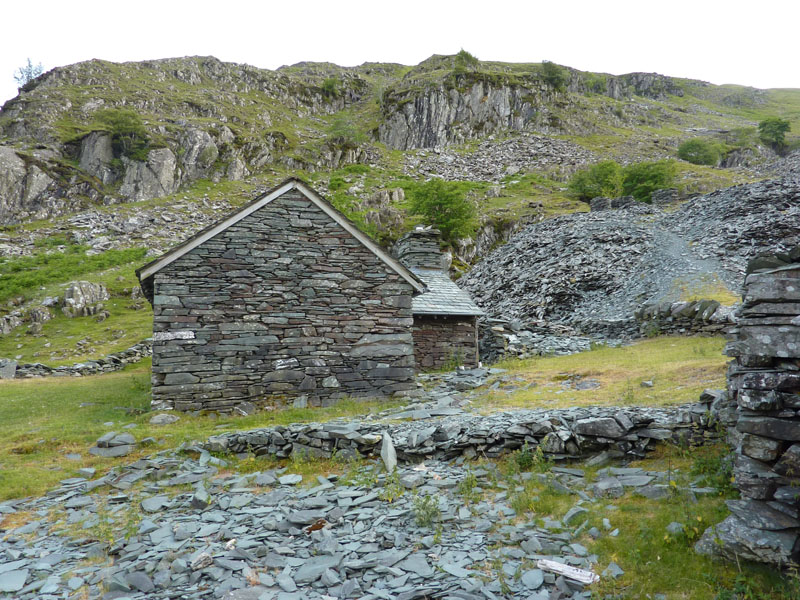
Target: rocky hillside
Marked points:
100	133
592	271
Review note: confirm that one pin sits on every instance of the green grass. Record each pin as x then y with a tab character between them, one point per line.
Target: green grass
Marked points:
23	276
680	368
64	341
657	562
43	419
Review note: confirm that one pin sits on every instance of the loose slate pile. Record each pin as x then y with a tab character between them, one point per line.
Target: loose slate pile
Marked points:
174	526
593	271
736	224
493	160
764	381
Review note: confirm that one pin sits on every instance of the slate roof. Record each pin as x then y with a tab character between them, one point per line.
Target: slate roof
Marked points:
443	297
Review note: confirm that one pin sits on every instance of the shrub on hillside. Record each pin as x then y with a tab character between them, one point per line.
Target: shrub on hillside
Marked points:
602	179
640	180
610	180
465	61
554	75
445	205
345	132
772	131
128	134
699	151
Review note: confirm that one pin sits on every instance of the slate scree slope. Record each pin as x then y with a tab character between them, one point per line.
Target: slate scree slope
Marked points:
284	298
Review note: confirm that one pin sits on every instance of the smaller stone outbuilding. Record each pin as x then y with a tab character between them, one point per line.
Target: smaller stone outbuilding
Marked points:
445	327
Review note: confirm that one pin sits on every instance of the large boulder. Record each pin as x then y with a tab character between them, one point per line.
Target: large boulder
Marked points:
151	179
96	156
83	298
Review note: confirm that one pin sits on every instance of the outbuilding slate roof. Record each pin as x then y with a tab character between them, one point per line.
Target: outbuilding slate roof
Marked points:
443	297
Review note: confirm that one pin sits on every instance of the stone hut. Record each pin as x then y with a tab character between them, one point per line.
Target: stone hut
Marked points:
445	317
282	299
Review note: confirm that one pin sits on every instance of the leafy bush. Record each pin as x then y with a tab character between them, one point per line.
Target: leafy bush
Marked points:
27	73
596	83
772	131
640	180
601	179
699	151
445	206
128	134
554	75
426	510
610	180
336	183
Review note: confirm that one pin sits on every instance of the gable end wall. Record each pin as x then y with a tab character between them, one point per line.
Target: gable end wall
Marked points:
283	303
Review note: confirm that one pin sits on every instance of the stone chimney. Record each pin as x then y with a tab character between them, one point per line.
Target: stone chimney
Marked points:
419	249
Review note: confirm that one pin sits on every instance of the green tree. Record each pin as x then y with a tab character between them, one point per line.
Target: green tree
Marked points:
27	73
601	179
642	179
772	131
554	75
128	133
699	151
445	206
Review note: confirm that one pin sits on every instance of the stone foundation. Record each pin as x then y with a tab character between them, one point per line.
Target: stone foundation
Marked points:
445	341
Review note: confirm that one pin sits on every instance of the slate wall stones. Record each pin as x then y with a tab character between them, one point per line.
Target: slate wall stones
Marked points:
441	341
764	381
694	317
284	302
112	362
612	432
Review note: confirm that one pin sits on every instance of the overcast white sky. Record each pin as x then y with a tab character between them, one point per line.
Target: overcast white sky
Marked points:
731	41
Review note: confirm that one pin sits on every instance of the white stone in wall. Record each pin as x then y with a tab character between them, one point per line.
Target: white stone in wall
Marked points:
163	336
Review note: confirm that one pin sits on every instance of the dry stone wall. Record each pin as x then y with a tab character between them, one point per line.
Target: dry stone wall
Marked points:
694	317
444	433
764	382
282	304
10	369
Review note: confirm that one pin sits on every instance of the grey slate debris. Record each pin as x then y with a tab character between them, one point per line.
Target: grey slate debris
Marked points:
221	539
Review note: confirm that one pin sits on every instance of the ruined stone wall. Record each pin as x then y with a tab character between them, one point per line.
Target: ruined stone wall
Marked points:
764	382
694	317
444	341
281	304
